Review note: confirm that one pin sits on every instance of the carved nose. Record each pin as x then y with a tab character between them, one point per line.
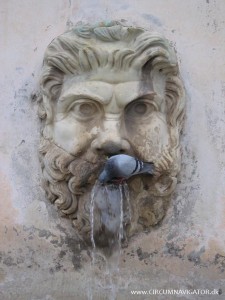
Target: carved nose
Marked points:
110	140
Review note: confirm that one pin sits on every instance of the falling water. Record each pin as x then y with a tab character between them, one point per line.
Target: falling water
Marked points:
109	211
93	193
121	217
90	278
127	197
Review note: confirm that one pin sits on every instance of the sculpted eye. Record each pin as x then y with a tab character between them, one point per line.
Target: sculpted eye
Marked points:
85	110
141	108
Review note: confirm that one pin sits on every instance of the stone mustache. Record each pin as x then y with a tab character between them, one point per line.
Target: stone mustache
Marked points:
109	89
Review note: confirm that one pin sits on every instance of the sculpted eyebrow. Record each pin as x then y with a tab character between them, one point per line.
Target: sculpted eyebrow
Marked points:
74	97
149	95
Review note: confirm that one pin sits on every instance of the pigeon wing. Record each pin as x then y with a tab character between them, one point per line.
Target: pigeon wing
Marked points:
125	166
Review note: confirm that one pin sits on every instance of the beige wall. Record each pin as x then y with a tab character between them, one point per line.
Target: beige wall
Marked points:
40	258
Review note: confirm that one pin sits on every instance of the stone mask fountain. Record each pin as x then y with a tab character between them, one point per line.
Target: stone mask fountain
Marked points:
109	89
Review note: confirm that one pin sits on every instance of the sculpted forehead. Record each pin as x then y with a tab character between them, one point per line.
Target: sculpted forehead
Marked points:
106	89
104	92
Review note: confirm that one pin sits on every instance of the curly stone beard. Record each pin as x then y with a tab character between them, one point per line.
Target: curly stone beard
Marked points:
67	177
68	181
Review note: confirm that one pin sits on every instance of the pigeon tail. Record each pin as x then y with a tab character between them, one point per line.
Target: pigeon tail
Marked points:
148	168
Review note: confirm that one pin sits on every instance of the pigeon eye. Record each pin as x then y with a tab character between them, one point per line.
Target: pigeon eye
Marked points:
85	110
141	108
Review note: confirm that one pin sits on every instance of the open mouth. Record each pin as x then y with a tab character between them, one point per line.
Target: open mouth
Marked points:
116	180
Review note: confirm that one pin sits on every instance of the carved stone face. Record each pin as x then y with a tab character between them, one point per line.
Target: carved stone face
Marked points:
116	90
110	117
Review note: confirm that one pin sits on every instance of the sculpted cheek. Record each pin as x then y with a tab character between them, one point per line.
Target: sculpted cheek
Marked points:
94	131
71	136
149	139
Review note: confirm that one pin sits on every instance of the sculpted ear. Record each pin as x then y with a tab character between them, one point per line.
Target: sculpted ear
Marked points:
175	101
51	83
175	104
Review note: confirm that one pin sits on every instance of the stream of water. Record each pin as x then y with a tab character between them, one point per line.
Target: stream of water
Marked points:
109	212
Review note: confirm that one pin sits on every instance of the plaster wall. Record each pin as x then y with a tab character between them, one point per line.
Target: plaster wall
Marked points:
40	257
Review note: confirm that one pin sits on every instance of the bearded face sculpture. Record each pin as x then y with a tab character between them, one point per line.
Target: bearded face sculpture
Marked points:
109	89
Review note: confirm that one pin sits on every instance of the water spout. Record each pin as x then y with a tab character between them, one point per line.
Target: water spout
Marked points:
110	212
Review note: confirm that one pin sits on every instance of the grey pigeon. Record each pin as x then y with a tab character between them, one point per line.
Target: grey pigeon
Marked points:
121	167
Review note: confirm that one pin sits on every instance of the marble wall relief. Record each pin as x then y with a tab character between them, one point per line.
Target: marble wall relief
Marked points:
109	89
